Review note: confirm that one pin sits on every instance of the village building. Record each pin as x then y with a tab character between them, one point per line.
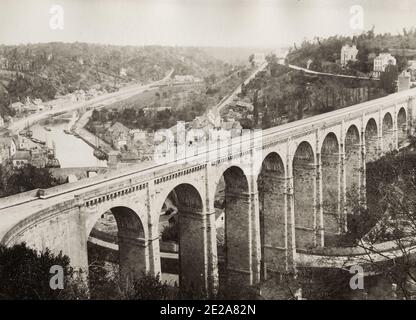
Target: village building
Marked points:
4	63
23	143
259	58
38	158
137	135
185	79
411	68
382	61
348	53
21	158
233	126
123	72
17	107
7	149
117	135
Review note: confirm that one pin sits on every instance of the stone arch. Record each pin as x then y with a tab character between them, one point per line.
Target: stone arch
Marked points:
388	133
331	171
371	140
234	237
271	184
189	219
304	189
132	245
401	127
353	173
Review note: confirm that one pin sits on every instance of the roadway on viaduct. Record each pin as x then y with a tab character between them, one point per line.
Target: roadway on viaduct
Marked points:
278	183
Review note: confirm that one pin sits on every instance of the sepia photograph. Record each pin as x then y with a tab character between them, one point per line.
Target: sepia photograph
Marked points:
227	150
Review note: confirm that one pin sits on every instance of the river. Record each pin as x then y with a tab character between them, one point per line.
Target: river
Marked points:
72	152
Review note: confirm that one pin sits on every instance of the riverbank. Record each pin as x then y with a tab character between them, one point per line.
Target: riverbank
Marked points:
78	128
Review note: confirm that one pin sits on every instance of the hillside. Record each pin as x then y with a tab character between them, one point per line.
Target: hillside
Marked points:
44	70
325	53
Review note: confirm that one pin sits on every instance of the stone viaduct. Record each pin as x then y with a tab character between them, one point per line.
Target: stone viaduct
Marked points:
287	190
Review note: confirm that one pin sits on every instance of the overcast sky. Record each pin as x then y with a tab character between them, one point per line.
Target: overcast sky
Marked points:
268	23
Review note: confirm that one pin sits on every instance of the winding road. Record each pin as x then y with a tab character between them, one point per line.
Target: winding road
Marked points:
105	99
329	74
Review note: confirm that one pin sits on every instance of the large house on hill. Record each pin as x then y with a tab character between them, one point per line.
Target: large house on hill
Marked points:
382	61
348	53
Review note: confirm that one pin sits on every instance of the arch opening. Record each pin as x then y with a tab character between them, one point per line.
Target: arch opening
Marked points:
388	133
304	189
371	141
401	127
116	253
331	182
232	210
353	173
181	240
272	189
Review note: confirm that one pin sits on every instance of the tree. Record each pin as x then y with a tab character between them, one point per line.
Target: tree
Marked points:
25	178
251	59
25	274
171	232
149	287
388	79
256	108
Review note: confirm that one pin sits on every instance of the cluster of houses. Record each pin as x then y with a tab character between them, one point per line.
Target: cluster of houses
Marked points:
210	125
131	145
19	151
138	145
120	137
28	106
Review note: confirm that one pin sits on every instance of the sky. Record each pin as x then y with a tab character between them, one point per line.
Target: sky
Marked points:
225	23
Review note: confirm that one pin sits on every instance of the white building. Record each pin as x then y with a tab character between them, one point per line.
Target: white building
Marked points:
259	59
23	143
411	68
138	135
17	106
4	63
185	79
382	61
348	53
412	64
123	72
7	148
